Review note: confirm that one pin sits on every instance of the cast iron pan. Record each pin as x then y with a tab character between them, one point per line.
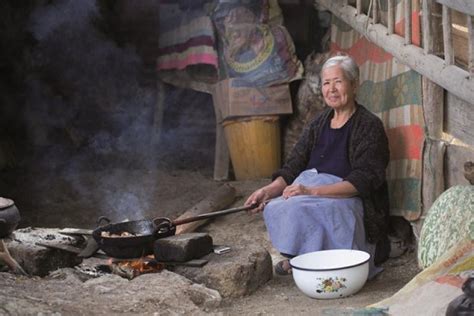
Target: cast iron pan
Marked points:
145	232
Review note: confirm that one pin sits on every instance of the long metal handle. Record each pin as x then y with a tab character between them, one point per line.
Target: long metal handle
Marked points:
213	214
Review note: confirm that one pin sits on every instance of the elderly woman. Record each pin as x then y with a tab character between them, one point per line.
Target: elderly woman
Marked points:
332	192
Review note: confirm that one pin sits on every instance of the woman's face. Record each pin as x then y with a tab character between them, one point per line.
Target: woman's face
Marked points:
338	91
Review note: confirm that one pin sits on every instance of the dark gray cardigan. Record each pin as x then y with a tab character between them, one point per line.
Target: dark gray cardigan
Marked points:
368	156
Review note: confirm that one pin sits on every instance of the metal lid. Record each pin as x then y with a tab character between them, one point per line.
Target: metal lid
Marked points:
4	203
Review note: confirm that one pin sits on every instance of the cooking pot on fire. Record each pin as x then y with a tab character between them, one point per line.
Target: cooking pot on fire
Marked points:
9	217
133	239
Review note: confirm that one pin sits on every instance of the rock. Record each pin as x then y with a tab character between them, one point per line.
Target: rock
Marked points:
234	274
39	260
183	247
163	293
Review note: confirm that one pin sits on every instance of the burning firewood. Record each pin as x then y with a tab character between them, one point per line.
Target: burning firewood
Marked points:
132	268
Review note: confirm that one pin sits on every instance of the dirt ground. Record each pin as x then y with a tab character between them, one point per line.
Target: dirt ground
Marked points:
61	186
133	193
280	296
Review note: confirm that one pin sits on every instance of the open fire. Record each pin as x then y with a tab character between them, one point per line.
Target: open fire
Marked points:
131	268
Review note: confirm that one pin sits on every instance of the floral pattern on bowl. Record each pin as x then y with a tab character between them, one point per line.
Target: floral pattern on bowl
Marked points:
330	285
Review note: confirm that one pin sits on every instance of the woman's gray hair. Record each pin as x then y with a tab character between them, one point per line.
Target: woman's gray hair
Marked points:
348	65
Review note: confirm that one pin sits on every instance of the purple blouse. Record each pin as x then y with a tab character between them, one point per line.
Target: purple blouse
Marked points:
330	153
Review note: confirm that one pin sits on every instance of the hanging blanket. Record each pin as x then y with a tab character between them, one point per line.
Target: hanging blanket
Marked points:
393	92
186	35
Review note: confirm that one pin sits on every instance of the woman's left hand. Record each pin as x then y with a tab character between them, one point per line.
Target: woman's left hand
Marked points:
296	189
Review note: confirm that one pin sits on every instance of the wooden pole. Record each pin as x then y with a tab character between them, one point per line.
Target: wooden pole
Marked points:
375	11
433	112
434	149
221	151
470	26
390	17
407	12
433	172
427	29
447	37
433	101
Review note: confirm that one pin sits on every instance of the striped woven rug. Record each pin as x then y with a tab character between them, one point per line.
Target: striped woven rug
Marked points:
393	92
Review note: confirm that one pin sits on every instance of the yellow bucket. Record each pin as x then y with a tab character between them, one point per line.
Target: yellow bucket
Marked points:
254	146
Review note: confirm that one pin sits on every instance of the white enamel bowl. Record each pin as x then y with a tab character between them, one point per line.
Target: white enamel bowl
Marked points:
328	274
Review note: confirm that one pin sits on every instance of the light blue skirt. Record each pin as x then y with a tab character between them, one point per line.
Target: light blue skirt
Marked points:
306	223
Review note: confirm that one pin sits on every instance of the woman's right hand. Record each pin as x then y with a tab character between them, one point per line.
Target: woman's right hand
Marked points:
263	195
258	197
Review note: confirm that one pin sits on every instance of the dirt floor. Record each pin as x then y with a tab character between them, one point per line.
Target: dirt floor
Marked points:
61	186
280	296
133	194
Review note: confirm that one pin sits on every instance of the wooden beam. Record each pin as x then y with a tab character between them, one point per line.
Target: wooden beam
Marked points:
463	6
433	109
433	172
390	17
407	13
221	150
427	29
434	148
470	26
447	37
451	78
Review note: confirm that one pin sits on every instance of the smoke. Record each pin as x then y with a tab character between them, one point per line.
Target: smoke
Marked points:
67	13
86	109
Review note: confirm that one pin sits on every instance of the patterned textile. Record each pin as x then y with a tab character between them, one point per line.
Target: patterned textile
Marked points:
394	92
449	221
186	35
431	290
